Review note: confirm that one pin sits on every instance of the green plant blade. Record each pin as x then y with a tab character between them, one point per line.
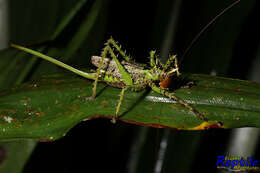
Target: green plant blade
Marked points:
16	152
54	17
47	108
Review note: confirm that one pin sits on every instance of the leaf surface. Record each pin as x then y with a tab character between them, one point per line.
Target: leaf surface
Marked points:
47	108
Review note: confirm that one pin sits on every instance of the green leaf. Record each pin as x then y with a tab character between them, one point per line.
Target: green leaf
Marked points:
47	108
44	20
16	152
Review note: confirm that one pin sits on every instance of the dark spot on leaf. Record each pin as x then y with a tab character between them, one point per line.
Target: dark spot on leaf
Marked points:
57	81
36	124
40	114
85	99
33	85
73	108
237	90
28	108
105	104
12	111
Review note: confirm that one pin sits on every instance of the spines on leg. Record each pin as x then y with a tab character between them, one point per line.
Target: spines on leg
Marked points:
179	100
119	49
172	61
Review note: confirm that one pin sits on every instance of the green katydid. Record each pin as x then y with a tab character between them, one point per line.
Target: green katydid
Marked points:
126	74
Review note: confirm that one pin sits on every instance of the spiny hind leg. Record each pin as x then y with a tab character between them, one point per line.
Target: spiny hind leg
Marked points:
126	77
109	49
115	45
179	100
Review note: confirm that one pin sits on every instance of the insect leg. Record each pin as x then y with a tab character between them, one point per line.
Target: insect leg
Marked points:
152	58
118	48
121	100
169	63
154	61
119	104
55	61
103	55
179	100
126	77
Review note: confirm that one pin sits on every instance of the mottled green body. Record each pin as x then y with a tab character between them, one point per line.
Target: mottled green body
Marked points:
109	68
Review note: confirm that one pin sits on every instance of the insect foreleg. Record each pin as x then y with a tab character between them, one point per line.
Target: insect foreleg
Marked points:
152	58
169	63
179	100
154	61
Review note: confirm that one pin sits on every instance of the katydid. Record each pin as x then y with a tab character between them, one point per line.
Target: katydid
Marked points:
127	74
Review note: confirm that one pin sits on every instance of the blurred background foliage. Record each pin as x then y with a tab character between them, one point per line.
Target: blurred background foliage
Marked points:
77	29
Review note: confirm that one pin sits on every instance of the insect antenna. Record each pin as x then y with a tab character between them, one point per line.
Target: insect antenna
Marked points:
196	38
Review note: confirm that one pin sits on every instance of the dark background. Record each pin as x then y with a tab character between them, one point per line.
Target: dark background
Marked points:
228	48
